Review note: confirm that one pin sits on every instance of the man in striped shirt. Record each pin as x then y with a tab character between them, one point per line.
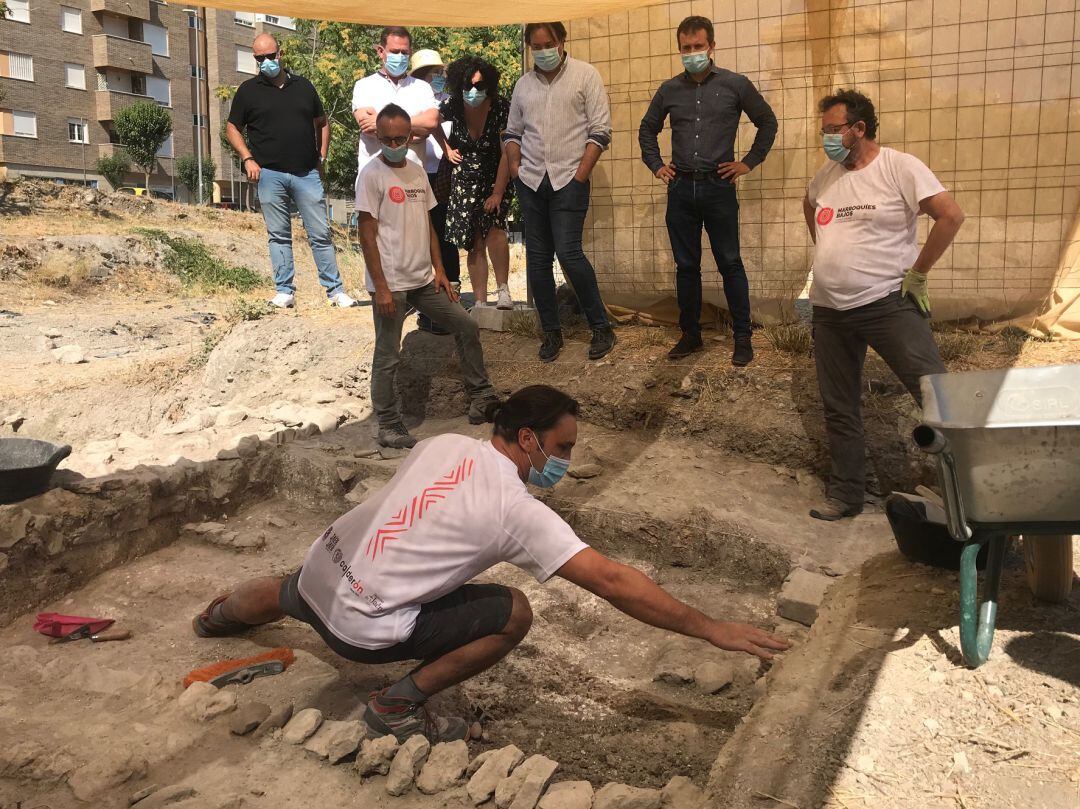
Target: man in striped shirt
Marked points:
560	123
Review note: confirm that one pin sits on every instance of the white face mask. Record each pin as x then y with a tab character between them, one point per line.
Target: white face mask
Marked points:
547	58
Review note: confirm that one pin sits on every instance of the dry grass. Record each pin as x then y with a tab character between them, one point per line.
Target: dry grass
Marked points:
955	344
790	338
62	271
524	324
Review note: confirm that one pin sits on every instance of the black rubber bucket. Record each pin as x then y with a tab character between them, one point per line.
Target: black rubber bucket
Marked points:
27	466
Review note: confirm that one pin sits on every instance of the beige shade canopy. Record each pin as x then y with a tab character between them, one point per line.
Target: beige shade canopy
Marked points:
434	12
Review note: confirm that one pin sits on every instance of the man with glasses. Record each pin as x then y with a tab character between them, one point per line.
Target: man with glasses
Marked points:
869	286
705	103
289	133
392	84
404	269
559	124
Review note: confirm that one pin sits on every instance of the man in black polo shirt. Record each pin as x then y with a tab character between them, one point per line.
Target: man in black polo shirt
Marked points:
289	134
705	103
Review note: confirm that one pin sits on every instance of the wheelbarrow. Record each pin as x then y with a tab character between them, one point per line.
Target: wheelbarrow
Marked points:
27	466
1007	444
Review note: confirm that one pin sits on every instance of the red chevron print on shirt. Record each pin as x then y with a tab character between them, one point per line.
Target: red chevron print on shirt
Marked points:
414	511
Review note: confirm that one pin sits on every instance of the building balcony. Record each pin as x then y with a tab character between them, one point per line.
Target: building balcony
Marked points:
110	102
122	54
136	9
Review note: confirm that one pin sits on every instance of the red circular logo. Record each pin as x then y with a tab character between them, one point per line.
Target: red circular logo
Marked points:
824	216
397	194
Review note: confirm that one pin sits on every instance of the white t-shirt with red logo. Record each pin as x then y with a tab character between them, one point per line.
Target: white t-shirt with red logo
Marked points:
455	508
865	222
399	198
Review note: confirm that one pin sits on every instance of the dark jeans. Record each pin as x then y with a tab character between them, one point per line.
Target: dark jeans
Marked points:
451	259
554	221
896	329
714	205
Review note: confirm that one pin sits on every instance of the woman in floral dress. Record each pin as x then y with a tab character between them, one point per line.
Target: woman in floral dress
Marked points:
480	194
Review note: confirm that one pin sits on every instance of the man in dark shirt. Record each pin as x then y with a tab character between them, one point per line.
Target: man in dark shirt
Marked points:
705	104
289	134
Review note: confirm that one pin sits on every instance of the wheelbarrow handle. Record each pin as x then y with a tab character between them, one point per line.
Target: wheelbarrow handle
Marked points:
977	619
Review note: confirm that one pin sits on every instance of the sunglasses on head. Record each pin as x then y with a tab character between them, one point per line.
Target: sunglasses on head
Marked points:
479	85
262	57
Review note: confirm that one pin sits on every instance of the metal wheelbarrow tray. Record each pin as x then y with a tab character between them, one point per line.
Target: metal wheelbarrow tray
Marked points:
1007	444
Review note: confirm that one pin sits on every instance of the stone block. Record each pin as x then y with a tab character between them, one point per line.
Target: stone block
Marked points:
407	762
444	767
302	725
801	595
494	769
568	795
376	755
492	319
335	740
620	796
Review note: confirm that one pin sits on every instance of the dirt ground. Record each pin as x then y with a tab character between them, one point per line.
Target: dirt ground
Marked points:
708	472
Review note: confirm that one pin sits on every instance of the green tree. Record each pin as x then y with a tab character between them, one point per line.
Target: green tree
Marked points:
334	55
113	168
143	129
187	172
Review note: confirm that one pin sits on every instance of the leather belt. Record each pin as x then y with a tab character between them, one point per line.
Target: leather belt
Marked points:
696	175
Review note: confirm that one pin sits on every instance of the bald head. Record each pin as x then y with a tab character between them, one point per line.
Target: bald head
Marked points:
264	44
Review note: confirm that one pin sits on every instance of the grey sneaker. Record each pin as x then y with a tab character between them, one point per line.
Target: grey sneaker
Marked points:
396	437
389	716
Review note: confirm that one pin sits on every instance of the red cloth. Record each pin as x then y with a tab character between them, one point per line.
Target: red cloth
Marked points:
56	625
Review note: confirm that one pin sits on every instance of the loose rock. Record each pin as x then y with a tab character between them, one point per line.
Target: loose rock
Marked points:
620	796
568	795
248	446
167	796
586	471
444	767
376	755
507	789
682	793
493	770
478	762
277	718
960	763
69	355
335	740
674	669
143	793
712	677
105	773
248	717
538	771
302	725
801	595
203	701
406	764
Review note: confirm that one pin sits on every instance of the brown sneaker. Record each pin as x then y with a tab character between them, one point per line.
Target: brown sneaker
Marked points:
833	509
401	718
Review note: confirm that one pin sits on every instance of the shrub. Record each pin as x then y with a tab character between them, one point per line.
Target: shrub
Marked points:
113	168
193	263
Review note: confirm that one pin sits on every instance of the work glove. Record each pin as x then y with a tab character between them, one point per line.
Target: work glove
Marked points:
914	287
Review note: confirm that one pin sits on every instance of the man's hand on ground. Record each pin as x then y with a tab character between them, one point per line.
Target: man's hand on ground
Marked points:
914	287
732	171
253	169
384	302
666	173
745	638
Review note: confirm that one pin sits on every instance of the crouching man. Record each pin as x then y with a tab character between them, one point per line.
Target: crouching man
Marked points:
388	580
401	249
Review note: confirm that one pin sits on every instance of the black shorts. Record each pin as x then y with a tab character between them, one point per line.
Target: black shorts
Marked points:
471	612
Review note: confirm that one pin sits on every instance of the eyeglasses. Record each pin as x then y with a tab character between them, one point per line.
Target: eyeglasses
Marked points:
394	142
835	129
262	57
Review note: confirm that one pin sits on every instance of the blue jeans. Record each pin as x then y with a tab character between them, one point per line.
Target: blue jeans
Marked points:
554	221
276	188
714	204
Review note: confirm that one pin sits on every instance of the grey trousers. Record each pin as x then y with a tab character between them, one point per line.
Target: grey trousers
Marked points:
896	329
452	317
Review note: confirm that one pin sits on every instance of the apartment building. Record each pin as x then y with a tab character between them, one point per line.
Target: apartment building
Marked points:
67	67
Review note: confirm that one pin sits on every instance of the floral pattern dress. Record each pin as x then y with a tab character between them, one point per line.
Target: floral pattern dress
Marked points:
473	179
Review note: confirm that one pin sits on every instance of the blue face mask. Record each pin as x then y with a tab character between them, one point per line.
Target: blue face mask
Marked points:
553	470
438	83
695	62
395	154
835	148
397	64
474	97
270	68
547	59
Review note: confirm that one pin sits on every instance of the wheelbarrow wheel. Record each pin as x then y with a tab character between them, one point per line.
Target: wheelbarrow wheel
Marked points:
1049	560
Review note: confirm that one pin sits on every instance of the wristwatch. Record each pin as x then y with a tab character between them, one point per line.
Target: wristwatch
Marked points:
245	160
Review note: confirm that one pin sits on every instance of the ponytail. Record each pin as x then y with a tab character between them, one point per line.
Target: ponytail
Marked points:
537	407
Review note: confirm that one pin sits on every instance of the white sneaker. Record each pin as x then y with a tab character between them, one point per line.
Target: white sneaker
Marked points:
505	301
342	301
283	300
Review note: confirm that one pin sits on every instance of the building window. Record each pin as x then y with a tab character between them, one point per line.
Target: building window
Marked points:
77	131
194	22
245	61
25	124
195	120
198	72
280	22
157	37
18	10
16	66
245	18
158	89
71	19
166	149
74	76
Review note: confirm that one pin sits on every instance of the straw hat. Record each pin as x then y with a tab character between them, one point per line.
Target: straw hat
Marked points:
425	58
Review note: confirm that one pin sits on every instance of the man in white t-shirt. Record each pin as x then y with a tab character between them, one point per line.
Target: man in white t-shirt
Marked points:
870	275
404	268
388	581
392	84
